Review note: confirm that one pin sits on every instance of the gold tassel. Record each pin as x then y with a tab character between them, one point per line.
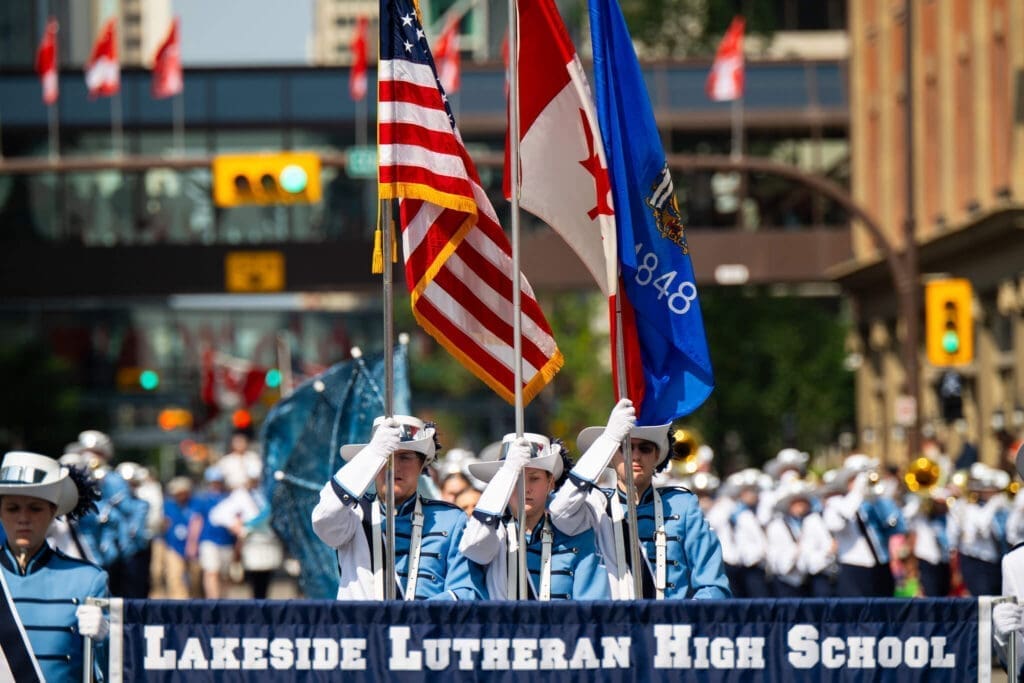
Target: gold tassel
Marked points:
377	263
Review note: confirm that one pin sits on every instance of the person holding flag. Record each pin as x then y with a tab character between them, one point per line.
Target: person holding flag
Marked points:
49	588
687	558
561	566
427	532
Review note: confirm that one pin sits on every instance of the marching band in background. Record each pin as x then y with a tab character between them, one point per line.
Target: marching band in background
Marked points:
780	531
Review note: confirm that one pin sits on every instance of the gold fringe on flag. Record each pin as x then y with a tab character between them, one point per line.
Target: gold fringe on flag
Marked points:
377	262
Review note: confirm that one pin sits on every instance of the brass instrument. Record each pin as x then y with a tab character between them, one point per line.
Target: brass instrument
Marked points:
684	452
922	475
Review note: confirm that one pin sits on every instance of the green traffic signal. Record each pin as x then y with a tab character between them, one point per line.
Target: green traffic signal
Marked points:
293	179
950	342
149	380
273	378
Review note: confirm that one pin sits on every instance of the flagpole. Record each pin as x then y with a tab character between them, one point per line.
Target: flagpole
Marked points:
517	305
736	153
178	125
627	459
116	125
284	363
361	119
54	131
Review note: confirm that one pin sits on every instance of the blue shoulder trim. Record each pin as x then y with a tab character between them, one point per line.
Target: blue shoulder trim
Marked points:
581	483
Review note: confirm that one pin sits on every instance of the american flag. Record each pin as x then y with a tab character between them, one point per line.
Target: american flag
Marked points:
458	262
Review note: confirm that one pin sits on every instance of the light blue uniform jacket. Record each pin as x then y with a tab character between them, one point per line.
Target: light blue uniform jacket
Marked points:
46	596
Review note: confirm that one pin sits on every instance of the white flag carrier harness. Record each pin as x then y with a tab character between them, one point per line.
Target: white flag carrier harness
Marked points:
660	545
547	538
414	551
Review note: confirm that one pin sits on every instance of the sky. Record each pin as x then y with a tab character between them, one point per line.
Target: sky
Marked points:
254	32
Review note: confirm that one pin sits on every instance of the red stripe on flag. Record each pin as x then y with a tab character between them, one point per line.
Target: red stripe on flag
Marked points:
412	134
411	93
483	358
420	176
631	351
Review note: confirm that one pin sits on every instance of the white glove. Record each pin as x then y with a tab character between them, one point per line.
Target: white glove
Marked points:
499	489
861	485
591	464
1008	617
91	622
355	476
621	421
518	455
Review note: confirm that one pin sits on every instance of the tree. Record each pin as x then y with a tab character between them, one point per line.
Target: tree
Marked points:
692	28
778	374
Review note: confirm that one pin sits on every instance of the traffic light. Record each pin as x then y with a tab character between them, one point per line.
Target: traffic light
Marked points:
278	178
241	419
149	379
170	419
949	323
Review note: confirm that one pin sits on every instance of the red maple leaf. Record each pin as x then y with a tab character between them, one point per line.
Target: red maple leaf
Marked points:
593	165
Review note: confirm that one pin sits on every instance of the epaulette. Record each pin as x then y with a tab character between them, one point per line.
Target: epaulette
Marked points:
675	487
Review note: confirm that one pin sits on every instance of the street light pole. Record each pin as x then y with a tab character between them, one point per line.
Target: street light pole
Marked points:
910	298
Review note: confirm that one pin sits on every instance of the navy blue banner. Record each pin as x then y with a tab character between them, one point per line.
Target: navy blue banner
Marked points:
820	640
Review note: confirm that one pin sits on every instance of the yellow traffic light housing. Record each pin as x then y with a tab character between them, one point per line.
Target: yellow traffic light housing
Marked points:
949	323
272	178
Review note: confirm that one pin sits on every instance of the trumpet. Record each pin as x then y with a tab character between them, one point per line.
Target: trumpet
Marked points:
922	475
684	451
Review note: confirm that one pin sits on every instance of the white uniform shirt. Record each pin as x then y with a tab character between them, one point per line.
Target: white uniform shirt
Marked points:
977	538
841	518
718	518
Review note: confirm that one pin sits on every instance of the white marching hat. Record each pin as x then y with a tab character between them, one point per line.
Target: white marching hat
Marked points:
95	441
416	436
852	466
657	434
986	478
38	476
786	458
543	456
793	490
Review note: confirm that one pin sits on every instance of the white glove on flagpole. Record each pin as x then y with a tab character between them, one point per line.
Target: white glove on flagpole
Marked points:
499	490
355	475
1007	617
621	421
91	622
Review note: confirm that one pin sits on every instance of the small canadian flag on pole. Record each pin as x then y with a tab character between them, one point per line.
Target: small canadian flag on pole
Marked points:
725	82
446	58
167	77
103	70
357	76
46	63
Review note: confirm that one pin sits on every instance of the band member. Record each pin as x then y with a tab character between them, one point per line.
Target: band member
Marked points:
863	524
748	578
560	566
681	557
983	534
48	587
427	532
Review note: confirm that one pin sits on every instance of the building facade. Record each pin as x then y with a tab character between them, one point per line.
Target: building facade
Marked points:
966	192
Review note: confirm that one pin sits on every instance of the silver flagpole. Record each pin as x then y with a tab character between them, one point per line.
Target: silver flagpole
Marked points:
387	237
627	457
387	210
116	125
54	130
178	122
517	305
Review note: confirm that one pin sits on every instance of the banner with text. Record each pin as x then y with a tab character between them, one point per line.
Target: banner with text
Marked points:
821	640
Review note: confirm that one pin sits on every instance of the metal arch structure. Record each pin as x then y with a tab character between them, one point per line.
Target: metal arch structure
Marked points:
902	265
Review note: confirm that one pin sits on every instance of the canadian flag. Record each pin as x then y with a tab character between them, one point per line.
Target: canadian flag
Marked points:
103	71
564	176
446	58
230	383
46	63
725	81
357	76
168	80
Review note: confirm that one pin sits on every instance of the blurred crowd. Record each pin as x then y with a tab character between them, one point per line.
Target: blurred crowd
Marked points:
859	529
180	539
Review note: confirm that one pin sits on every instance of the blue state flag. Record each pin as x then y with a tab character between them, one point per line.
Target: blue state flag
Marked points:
668	366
